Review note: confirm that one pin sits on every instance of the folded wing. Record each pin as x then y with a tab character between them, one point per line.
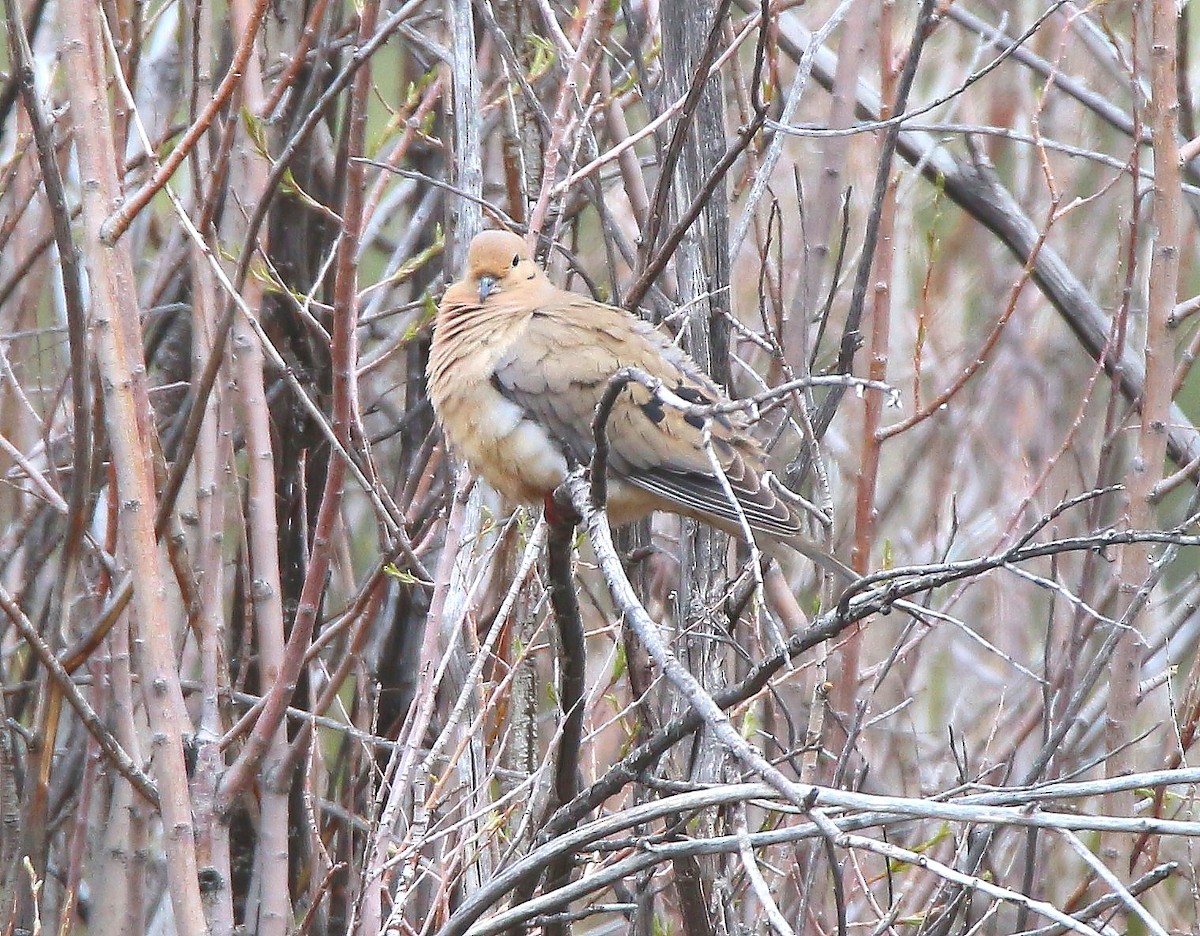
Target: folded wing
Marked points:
558	371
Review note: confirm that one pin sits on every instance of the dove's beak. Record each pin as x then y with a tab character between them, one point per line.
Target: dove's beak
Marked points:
487	286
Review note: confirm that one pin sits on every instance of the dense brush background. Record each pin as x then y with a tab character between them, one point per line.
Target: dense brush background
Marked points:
1012	266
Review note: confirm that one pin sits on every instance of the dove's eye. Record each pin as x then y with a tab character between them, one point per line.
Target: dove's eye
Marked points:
516	259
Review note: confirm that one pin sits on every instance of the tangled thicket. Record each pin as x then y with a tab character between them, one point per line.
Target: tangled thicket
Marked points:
272	664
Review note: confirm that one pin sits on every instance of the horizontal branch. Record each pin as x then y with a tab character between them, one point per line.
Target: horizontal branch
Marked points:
980	808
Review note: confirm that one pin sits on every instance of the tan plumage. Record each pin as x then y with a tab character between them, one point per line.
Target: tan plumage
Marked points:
518	366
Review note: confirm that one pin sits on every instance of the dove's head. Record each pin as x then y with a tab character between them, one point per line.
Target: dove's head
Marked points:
498	261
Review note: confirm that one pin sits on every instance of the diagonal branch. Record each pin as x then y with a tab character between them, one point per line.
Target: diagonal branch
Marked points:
976	189
116	754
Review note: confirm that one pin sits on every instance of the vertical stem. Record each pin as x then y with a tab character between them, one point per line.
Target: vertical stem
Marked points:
576	87
467	168
522	140
130	427
845	663
50	703
212	839
702	270
850	332
127	412
702	262
273	906
523	147
559	547
1156	400
822	209
72	281
453	593
10	815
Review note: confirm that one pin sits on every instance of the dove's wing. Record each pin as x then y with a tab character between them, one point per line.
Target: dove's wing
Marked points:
557	371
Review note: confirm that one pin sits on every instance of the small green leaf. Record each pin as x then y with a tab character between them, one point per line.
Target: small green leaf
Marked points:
414	263
256	130
399	574
620	663
751	722
544	56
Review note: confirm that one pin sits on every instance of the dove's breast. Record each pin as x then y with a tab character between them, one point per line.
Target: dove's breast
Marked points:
491	433
496	438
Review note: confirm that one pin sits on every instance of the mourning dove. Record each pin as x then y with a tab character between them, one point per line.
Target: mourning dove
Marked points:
517	368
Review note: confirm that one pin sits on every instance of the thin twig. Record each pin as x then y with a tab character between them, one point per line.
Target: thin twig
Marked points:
112	749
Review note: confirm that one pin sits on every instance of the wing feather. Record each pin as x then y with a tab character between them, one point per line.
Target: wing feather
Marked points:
560	368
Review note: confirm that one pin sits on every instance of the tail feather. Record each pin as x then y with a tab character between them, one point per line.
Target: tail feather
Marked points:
818	556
